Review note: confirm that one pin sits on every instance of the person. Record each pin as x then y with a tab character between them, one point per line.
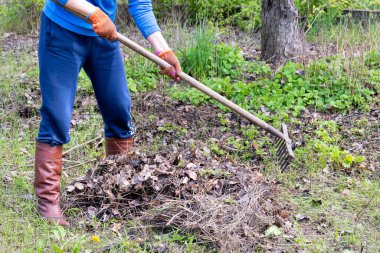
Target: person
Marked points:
67	44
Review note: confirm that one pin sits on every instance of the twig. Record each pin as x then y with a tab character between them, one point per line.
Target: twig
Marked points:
80	164
365	207
81	145
174	216
15	165
315	19
70	161
370	222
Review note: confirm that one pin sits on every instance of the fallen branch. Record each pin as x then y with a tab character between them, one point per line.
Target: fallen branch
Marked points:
82	144
80	164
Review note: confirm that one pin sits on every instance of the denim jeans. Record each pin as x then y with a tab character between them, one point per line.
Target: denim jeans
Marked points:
62	54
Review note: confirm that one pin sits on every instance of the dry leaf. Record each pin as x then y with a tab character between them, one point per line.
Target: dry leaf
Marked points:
191	174
70	188
346	192
185	180
116	227
79	186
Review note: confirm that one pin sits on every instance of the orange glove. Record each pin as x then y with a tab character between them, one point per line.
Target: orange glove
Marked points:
175	69
102	25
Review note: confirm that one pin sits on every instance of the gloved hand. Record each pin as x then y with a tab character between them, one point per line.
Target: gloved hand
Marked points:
103	25
175	69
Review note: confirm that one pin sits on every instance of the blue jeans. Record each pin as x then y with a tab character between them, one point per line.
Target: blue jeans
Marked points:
62	54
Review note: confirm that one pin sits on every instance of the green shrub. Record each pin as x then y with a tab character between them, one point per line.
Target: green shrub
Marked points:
207	58
313	8
245	14
321	11
326	13
366	4
249	18
372	59
21	16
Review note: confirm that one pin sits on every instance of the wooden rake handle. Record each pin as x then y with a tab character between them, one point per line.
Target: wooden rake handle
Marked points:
203	88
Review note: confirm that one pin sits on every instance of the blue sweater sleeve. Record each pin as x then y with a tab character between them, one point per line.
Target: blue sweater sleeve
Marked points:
142	13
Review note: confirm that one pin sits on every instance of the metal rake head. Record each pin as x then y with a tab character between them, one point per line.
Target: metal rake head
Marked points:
285	153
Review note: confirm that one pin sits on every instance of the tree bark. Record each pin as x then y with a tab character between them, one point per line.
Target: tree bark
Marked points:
281	37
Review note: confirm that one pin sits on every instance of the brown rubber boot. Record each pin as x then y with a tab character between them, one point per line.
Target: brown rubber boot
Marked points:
116	146
48	170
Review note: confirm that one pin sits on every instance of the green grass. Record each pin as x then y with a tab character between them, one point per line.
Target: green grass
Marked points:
342	212
347	34
207	57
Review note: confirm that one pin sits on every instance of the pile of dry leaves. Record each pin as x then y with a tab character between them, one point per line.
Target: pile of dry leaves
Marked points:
226	204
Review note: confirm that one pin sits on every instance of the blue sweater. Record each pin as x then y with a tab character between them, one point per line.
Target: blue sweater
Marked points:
140	10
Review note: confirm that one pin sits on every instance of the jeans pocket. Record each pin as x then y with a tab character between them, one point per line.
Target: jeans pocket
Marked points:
48	30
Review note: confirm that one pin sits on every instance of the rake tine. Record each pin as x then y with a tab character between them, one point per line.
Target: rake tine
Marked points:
279	142
285	165
285	152
281	150
282	164
282	158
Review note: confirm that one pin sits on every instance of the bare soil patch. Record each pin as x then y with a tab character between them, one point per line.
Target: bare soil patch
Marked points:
12	42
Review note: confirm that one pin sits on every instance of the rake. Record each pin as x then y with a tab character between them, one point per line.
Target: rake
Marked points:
284	145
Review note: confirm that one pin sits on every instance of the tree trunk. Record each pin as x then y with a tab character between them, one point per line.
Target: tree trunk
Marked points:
281	37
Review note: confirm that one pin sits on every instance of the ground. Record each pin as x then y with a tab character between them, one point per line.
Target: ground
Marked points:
318	205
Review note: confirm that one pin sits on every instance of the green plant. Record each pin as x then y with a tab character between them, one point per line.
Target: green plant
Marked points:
258	68
215	149
227	61
244	13
366	4
324	148
249	18
142	75
214	173
328	85
196	58
20	16
372	80
372	59
317	10
205	57
170	128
